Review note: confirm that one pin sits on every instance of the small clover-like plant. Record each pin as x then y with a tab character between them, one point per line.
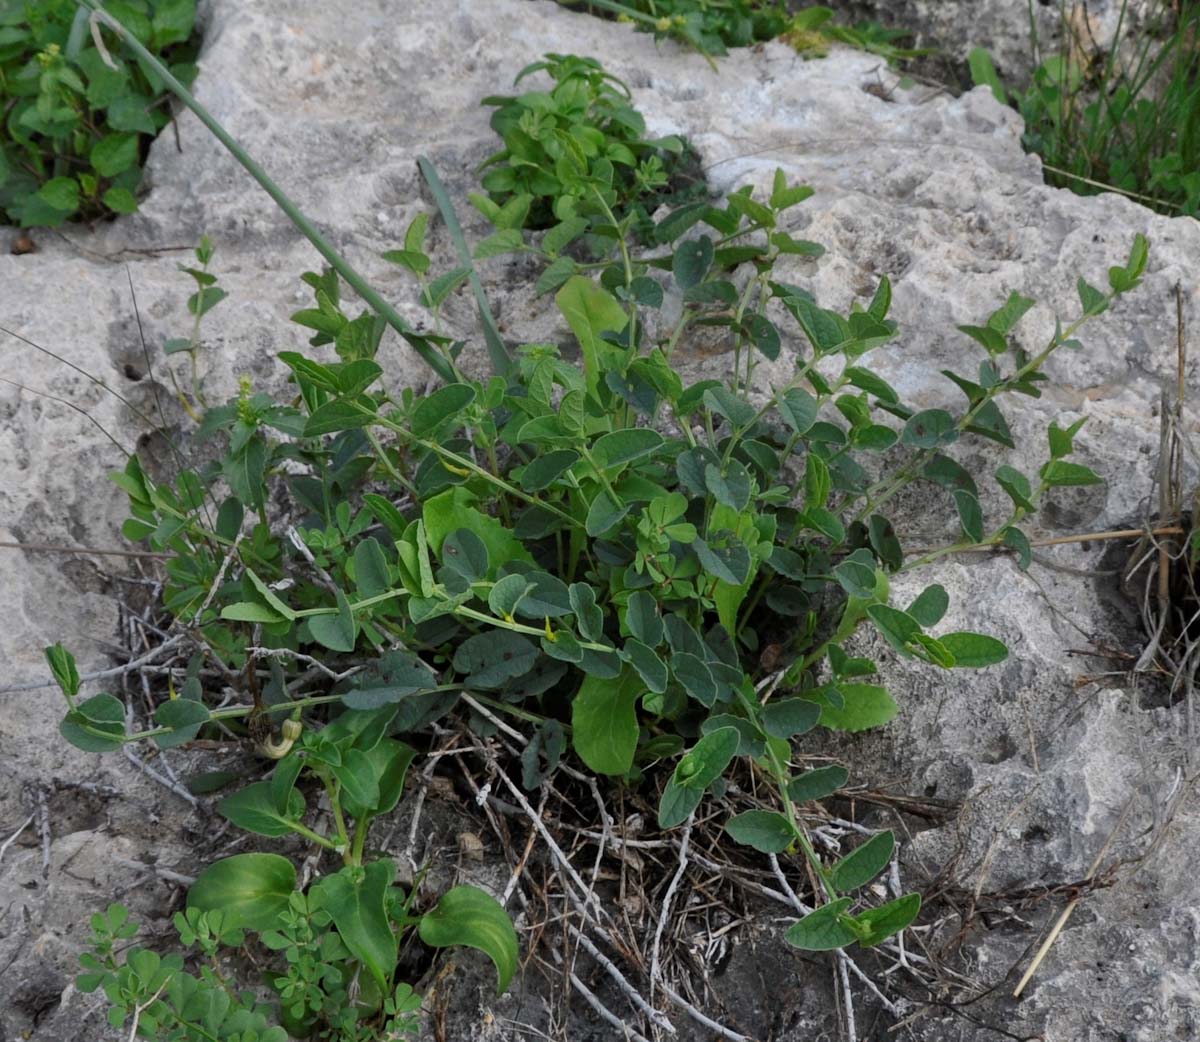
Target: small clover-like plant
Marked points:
339	940
77	117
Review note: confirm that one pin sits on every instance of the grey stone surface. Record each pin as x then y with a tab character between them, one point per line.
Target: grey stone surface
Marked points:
337	100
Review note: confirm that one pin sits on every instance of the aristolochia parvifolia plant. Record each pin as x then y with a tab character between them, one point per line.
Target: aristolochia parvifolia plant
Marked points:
592	548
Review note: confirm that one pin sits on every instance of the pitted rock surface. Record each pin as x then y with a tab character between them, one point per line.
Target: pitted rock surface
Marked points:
337	100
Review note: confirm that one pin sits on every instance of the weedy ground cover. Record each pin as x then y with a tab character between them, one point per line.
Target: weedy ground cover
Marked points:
607	577
711	28
1125	118
78	118
564	146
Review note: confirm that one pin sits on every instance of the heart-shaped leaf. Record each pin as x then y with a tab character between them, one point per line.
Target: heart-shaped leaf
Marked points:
604	727
254	809
467	916
356	900
186	716
253	889
96	725
764	830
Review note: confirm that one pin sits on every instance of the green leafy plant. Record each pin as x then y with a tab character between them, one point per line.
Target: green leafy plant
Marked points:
587	546
339	941
566	146
1126	121
207	296
709	27
158	998
563	560
77	120
812	29
713	27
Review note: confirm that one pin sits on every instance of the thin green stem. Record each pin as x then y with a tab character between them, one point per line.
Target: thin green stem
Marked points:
467	464
332	790
914	466
236	712
600	475
315	837
382	456
518	627
360	839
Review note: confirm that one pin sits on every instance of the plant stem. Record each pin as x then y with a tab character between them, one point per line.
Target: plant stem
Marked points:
913	468
235	712
335	805
360	839
781	776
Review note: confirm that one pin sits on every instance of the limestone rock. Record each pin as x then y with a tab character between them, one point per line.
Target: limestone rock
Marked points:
337	100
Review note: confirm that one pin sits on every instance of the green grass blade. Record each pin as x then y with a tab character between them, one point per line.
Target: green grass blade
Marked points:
501	359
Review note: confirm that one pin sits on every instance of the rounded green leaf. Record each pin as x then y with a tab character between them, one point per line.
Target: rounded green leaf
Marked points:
604	727
820	931
62	193
120	200
506	594
878	924
864	863
697	769
96	725
604	514
974	650
643	619
444	403
930	429
762	333
691	261
490	658
798	409
542	472
693	673
863	706
897	627
336	631
930	605
649	666
186	716
467	916
114	154
589	617
465	554
617	448
547	597
816	785
253	888
764	830
790	716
